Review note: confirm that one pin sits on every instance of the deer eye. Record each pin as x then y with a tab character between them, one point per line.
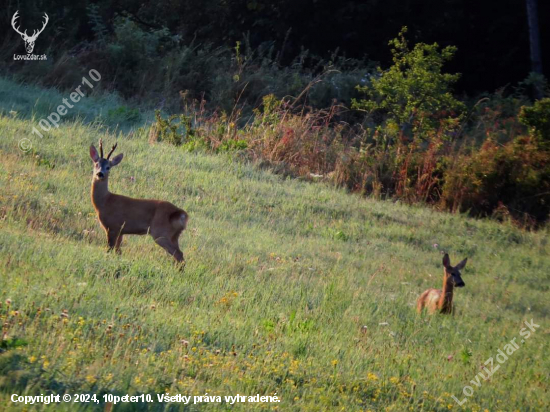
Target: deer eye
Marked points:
107	167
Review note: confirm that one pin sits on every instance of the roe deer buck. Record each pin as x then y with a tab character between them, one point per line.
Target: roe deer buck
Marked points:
121	215
442	299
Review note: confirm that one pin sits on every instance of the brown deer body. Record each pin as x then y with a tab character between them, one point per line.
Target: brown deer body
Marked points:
121	215
442	299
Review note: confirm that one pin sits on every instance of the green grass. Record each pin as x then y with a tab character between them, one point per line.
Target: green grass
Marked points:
104	110
291	288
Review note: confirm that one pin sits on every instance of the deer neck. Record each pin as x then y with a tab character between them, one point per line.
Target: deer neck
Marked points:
100	192
446	299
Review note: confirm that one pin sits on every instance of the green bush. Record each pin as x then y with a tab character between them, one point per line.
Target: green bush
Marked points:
176	129
123	114
413	96
511	180
537	118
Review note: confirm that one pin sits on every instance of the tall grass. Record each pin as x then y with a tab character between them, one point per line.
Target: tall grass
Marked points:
491	165
106	110
290	287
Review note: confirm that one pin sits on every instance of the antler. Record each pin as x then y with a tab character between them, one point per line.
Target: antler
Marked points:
112	150
14	18
35	33
101	148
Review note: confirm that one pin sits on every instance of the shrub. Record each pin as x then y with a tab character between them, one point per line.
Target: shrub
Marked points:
537	118
176	129
123	114
506	177
413	96
514	177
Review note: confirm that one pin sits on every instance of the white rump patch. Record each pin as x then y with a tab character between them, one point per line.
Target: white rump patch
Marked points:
183	219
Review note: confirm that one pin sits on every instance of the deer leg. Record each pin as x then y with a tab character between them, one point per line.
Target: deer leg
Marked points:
118	243
166	236
111	240
176	236
175	241
419	305
172	248
114	239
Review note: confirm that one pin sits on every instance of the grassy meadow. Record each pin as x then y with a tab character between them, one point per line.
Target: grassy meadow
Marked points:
290	287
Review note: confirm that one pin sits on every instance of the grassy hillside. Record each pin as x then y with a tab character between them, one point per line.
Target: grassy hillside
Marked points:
291	288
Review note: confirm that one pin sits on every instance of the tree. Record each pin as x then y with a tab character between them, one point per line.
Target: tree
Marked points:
414	95
534	39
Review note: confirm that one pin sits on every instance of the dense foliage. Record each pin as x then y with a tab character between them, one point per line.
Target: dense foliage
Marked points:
413	95
492	41
262	79
417	143
289	288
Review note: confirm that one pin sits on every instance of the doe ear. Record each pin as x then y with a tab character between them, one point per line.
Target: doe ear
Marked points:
446	260
461	265
117	159
93	153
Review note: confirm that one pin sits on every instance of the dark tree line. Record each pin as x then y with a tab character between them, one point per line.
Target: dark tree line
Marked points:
492	37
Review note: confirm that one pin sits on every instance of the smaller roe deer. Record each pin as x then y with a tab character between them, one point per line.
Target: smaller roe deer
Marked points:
442	299
121	215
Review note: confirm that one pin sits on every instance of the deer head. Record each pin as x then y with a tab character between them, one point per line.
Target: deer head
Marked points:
452	273
102	165
29	40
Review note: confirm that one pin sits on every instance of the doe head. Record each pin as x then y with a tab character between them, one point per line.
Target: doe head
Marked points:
452	273
102	165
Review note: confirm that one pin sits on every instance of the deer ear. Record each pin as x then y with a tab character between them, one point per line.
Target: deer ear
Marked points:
461	265
446	261
93	153
117	159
